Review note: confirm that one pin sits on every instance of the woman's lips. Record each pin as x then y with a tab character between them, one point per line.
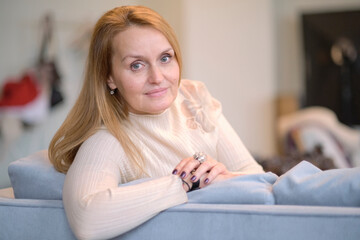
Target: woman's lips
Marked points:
156	92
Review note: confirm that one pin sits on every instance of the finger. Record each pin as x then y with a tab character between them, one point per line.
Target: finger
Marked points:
204	168
187	184
202	179
216	170
180	165
185	167
188	168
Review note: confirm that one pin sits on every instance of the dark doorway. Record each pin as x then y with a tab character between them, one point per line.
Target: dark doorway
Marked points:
332	63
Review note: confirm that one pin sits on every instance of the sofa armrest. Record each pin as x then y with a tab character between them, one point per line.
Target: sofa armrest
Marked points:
228	221
33	219
45	219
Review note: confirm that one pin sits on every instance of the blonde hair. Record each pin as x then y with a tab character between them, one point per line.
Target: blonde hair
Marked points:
95	106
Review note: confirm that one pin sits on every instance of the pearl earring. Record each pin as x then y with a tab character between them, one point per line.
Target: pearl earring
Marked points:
112	91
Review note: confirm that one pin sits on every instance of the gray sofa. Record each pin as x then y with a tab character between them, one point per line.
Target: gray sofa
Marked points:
304	203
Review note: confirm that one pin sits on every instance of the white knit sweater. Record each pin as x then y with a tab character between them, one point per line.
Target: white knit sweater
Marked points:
98	208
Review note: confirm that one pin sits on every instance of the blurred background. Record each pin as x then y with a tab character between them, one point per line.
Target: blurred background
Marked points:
286	71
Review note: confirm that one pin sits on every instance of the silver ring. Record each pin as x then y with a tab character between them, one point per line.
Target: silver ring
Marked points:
200	156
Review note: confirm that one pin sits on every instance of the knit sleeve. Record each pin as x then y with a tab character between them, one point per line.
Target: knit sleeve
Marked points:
97	207
232	152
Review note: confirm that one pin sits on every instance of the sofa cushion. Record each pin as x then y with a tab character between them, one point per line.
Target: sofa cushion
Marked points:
246	189
305	184
34	177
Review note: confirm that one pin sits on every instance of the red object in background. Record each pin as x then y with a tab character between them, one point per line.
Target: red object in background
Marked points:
19	93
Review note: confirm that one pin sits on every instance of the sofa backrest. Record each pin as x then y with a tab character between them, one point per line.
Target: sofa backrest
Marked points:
34	177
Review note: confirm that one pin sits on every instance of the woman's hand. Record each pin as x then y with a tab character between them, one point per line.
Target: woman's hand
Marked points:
187	184
190	169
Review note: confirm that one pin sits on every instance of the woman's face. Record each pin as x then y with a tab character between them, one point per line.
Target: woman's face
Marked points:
144	70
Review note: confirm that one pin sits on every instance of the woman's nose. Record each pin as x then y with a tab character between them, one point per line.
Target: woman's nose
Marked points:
156	76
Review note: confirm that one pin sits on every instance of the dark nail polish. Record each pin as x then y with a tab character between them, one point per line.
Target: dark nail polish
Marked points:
183	174
206	181
193	178
175	171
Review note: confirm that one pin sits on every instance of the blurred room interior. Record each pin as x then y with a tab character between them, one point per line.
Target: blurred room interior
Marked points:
287	72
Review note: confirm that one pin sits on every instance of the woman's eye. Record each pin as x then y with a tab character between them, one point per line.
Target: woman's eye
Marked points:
136	66
165	58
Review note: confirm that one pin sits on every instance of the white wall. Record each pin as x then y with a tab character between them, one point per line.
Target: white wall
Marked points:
229	46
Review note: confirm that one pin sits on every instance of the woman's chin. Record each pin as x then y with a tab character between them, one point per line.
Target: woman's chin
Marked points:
151	110
158	110
159	106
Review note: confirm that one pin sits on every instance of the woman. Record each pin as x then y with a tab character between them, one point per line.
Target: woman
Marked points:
135	119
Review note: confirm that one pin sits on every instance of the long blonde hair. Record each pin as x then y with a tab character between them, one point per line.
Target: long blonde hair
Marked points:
95	106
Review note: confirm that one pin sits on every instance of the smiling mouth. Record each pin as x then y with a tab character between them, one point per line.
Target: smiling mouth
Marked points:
156	92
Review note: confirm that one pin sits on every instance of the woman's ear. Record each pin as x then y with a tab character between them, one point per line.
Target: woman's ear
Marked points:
110	82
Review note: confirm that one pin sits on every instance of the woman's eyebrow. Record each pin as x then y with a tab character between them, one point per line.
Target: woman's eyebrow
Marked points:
140	56
131	56
167	50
